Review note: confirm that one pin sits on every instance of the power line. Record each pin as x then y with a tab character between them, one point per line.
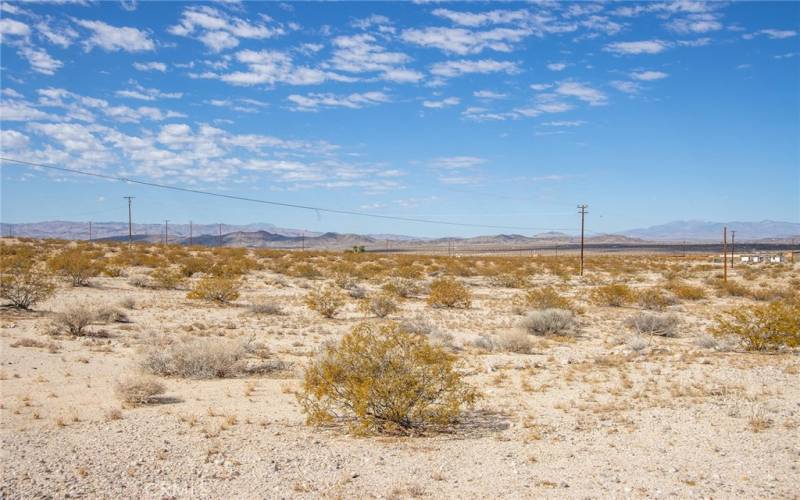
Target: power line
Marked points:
269	202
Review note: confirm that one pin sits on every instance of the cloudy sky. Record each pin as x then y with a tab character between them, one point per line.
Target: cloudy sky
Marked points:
478	113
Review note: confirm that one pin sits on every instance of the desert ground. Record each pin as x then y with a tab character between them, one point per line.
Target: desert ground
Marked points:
601	408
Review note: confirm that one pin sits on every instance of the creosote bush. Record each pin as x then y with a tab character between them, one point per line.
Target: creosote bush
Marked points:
214	289
663	325
197	359
383	379
402	287
449	292
763	327
326	300
686	292
613	295
550	322
379	305
75	264
545	297
167	278
654	299
23	285
136	391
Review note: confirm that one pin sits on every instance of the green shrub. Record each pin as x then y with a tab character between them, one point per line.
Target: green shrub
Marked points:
384	379
76	265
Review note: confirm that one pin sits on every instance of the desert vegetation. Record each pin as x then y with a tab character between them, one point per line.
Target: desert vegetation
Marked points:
247	350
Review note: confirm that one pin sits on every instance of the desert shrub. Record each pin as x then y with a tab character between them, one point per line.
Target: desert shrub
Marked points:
127	302
189	266
654	299
167	278
448	292
510	280
733	289
114	271
135	391
76	265
139	281
515	341
763	327
214	289
384	379
401	287
686	292
24	285
73	321
344	281
326	300
664	325
550	322
357	293
108	314
197	359
380	305
265	309
545	297
613	295
304	270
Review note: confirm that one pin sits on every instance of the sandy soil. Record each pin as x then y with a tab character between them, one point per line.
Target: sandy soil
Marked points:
579	418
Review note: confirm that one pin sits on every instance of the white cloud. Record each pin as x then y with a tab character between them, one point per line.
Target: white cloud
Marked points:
648	75
361	54
114	38
625	86
271	67
641	47
62	37
20	111
771	33
443	103
462	41
473	19
457	162
695	23
449	69
556	66
540	86
147	94
312	102
582	92
12	140
565	123
40	61
150	66
218	31
10	27
489	94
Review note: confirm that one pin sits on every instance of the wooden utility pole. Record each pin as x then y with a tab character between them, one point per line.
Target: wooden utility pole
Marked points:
190	233
733	247
725	254
582	211
90	230
303	241
220	234
130	225
166	232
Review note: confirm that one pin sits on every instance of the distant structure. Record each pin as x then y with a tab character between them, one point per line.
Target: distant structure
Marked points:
759	258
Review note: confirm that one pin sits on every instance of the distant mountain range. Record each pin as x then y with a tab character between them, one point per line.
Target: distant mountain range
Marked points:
263	235
698	230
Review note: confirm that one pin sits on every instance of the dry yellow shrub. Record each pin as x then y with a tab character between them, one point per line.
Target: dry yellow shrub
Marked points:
384	379
763	327
214	289
327	301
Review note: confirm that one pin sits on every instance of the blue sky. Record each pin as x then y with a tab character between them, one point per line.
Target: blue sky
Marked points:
505	114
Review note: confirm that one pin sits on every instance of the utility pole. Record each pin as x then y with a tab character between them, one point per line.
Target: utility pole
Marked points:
190	233
166	232
90	231
220	234
725	254
733	247
303	241
130	226
582	211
